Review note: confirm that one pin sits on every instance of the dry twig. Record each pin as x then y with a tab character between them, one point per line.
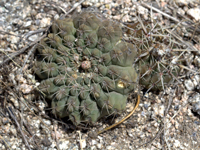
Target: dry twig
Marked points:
5	142
30	52
16	122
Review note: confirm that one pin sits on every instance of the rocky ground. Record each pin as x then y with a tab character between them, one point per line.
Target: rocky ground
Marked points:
169	120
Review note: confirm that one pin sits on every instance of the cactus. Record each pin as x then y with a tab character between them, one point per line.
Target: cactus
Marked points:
86	68
158	63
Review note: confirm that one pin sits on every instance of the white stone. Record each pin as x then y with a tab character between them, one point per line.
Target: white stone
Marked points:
36	123
195	98
110	148
159	110
45	22
176	143
99	146
25	88
196	80
94	1
195	13
15	102
28	23
33	37
189	85
156	124
83	143
47	122
181	11
94	142
14	39
142	10
174	60
64	145
30	76
56	17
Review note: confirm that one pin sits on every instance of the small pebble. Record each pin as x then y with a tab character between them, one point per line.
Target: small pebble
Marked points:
27	24
194	13
189	85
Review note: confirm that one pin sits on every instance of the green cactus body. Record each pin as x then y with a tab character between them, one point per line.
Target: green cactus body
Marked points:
155	58
87	69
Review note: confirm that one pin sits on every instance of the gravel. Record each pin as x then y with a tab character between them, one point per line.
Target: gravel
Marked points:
176	112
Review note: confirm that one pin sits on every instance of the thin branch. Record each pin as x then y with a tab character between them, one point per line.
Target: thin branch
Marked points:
157	10
31	33
30	52
56	138
5	142
16	122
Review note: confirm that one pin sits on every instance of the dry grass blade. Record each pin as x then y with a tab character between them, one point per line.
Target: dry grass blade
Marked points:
30	52
55	130
81	145
182	41
157	10
5	142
